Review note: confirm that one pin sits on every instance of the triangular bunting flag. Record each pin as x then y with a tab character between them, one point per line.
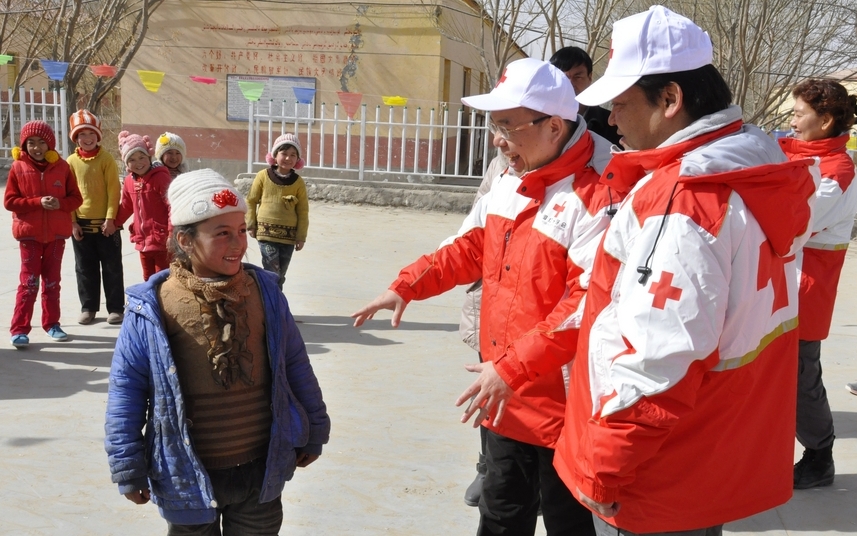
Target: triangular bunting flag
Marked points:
55	69
350	101
251	90
395	101
5	58
304	95
107	71
151	79
204	80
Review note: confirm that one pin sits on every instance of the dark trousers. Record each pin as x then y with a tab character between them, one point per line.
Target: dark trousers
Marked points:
814	420
602	528
39	262
520	477
96	258
276	258
236	491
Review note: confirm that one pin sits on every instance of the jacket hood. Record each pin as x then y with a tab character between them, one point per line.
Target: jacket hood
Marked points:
778	195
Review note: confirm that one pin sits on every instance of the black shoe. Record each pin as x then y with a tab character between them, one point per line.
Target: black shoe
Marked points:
815	469
474	490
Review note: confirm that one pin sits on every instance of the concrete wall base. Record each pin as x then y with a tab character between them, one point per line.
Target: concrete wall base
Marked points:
456	199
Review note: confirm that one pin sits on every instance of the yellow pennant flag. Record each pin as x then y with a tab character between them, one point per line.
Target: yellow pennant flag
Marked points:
151	79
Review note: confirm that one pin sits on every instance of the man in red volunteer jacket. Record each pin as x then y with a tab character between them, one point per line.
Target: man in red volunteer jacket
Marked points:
531	239
682	394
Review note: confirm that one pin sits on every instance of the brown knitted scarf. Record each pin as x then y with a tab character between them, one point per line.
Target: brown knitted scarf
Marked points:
222	306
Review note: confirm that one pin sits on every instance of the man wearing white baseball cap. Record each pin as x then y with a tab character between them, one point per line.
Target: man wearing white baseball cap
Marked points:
688	346
531	240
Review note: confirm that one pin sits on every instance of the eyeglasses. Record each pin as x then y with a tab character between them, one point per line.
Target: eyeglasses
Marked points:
506	133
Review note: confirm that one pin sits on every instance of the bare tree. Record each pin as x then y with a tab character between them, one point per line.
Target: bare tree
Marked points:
762	47
79	32
498	30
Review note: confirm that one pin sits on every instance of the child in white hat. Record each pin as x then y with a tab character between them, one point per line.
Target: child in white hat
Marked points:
170	151
212	346
278	207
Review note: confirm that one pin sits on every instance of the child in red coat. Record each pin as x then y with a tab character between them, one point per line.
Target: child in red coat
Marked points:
41	193
144	194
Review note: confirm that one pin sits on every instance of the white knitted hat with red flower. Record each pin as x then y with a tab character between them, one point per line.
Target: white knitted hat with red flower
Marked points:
201	194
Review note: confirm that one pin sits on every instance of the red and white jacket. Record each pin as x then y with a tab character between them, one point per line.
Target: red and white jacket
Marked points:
833	218
682	396
532	241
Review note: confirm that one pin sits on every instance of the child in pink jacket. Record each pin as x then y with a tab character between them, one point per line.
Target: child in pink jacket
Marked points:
144	194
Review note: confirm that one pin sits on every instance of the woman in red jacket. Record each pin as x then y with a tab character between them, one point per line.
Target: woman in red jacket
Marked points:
823	114
41	193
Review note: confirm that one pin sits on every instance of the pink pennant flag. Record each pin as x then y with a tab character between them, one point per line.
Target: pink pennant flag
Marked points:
204	79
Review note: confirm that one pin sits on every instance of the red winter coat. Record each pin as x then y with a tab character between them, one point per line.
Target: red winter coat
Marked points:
531	240
146	198
682	395
832	220
24	191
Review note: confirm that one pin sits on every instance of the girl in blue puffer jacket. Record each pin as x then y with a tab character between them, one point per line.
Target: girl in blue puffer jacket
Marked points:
210	360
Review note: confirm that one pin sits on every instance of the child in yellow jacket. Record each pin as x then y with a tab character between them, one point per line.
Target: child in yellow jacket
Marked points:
278	208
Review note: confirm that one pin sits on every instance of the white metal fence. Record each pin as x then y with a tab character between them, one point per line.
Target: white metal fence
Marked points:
49	106
419	145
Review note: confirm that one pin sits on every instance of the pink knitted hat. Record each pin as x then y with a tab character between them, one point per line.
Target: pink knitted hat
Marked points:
285	139
134	143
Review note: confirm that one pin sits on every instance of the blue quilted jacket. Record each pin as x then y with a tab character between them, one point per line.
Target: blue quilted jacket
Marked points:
144	390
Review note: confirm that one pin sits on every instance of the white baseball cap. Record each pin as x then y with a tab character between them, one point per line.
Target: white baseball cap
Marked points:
653	42
529	83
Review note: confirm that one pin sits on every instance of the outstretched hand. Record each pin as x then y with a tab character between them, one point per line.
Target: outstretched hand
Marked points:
487	393
387	300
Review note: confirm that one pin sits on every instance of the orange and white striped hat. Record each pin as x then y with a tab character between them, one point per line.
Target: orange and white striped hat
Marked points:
81	120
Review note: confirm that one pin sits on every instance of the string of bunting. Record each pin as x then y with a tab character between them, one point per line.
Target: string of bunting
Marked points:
251	90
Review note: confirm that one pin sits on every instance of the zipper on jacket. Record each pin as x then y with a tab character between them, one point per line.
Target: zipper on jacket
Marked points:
505	267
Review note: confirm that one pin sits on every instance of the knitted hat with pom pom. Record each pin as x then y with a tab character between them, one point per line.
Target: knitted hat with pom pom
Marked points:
134	143
201	194
167	141
37	129
285	139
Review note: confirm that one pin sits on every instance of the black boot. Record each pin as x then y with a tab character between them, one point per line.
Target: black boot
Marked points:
474	490
815	469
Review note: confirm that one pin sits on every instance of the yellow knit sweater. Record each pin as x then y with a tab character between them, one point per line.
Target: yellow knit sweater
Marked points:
278	213
98	180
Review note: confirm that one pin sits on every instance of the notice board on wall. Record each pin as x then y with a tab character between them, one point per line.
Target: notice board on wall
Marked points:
278	90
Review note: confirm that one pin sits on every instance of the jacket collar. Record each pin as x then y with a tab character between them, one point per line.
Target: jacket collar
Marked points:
628	167
576	156
794	147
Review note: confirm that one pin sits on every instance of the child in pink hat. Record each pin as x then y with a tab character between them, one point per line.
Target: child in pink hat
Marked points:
144	195
278	207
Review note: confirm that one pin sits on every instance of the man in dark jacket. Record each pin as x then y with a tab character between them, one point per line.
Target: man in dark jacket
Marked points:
577	66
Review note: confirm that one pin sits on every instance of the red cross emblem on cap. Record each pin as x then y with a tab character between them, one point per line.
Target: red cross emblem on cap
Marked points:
664	290
502	78
225	197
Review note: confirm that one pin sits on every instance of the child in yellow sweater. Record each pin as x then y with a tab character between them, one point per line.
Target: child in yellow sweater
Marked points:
97	243
277	206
